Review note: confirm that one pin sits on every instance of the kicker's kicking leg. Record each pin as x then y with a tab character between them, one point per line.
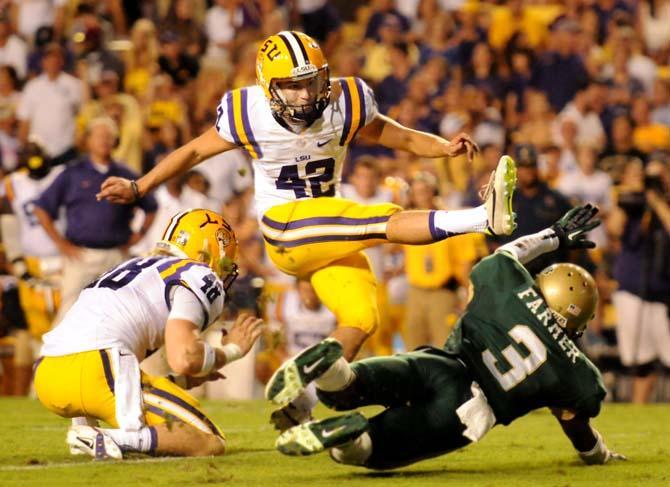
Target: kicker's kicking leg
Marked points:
495	216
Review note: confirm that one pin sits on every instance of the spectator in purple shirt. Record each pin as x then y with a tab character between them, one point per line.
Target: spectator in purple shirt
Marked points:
97	234
380	10
560	72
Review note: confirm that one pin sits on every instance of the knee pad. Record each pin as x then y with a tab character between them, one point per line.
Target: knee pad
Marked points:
644	370
355	452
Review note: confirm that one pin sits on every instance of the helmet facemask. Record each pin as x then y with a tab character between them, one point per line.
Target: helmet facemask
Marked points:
284	99
222	264
228	271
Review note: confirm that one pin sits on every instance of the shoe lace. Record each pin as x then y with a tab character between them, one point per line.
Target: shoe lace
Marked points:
486	188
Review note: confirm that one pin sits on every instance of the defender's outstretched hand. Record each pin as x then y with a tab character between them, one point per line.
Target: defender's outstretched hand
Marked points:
601	457
572	228
116	190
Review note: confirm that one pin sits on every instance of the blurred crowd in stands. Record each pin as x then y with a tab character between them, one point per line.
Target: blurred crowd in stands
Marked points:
578	91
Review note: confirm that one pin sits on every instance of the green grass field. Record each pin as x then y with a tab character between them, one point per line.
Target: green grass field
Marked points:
531	452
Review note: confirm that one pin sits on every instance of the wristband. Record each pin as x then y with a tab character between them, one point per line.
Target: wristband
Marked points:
598	455
232	352
136	191
208	361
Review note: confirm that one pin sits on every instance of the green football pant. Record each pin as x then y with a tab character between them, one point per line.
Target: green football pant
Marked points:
421	391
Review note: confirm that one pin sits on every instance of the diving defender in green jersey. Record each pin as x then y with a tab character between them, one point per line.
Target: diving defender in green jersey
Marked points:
511	352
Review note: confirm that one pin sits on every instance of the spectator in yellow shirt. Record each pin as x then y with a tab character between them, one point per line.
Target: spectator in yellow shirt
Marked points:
435	273
514	17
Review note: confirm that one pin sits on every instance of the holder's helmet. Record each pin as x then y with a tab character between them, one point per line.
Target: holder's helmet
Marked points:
204	236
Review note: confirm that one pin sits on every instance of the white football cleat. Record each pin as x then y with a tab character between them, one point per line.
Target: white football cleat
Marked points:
93	442
498	198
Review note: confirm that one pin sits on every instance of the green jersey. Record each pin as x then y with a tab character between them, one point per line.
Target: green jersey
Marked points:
515	348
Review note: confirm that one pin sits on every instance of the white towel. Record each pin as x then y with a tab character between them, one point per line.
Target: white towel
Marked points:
476	415
127	390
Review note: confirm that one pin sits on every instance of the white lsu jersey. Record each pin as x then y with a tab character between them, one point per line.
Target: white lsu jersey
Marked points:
21	191
288	165
128	306
302	327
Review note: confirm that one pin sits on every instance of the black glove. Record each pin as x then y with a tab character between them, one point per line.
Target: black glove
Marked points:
572	228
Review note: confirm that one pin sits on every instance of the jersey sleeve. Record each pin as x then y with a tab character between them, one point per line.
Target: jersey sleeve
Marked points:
201	281
592	389
186	306
500	271
225	119
234	122
360	107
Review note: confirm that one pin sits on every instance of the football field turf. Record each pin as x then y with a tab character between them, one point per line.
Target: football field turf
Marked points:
531	452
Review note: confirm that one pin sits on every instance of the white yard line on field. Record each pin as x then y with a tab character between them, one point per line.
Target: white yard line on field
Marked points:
14	468
255	429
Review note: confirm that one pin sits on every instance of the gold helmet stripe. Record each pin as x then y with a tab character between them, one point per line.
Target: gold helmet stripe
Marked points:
173	224
294	48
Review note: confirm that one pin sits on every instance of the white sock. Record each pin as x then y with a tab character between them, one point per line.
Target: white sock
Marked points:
337	377
143	440
307	400
84	421
355	452
444	224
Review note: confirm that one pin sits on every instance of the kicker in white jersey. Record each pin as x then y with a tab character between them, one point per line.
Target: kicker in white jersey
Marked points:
128	306
288	165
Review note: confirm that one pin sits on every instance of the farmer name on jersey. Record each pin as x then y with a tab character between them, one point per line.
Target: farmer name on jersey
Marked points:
550	320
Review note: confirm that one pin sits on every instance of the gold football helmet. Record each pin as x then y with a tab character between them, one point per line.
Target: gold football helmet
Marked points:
571	294
205	236
293	56
35	159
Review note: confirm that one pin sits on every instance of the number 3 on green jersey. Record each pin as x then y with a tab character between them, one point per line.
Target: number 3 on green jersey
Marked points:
519	367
